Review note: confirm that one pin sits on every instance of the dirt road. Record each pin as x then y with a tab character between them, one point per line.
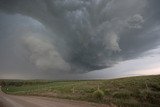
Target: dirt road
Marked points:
32	101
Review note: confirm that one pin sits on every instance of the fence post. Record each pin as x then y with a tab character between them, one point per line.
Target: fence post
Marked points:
73	90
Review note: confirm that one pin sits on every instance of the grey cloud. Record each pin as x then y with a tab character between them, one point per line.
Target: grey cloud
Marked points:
88	34
135	21
112	42
43	54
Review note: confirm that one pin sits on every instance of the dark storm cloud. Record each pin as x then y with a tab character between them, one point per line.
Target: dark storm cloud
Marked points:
87	34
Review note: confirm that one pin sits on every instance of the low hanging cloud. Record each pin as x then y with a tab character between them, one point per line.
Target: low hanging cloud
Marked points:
87	35
43	54
112	42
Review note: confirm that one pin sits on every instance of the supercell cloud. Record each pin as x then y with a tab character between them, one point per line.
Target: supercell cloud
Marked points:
81	35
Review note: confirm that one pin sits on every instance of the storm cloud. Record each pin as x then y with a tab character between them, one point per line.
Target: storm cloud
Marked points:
44	55
84	35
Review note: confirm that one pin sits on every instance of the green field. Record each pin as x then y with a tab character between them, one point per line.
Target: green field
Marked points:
131	91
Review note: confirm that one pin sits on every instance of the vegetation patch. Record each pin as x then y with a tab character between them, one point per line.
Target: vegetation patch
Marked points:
98	95
125	92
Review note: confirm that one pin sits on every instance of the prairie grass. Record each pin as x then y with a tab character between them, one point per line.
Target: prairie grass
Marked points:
130	91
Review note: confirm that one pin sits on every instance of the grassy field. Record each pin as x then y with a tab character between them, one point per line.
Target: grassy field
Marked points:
132	91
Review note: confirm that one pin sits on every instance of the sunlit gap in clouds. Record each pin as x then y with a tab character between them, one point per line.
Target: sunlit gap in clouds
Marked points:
148	64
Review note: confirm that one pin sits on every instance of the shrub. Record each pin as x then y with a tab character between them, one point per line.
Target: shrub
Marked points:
125	94
107	91
3	83
150	96
89	90
154	86
98	95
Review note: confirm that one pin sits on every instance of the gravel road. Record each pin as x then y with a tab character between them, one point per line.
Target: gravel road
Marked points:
32	101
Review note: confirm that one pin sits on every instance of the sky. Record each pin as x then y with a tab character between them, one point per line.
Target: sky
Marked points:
79	39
